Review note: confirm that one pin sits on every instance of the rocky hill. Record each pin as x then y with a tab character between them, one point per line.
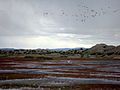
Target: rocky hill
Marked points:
104	50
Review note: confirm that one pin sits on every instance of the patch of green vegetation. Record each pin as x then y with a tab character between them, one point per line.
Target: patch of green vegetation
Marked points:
3	55
11	86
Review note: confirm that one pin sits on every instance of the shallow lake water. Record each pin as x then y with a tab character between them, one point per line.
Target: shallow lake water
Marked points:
59	74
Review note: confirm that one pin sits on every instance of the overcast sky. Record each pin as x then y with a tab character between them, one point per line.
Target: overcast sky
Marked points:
59	23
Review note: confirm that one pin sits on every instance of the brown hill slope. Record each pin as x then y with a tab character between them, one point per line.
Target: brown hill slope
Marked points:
103	49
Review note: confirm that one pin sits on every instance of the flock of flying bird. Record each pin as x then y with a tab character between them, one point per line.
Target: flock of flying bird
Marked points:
83	13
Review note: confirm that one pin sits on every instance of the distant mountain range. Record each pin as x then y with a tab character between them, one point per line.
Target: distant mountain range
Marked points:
55	49
7	49
66	49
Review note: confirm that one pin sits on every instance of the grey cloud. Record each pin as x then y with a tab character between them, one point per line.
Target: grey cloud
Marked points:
92	21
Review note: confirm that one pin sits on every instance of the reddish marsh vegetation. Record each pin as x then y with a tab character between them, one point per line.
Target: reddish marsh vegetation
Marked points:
21	72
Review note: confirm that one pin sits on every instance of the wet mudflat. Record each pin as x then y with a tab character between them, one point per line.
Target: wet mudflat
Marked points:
59	74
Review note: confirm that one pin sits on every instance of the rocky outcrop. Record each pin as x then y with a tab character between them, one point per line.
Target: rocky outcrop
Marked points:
103	49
